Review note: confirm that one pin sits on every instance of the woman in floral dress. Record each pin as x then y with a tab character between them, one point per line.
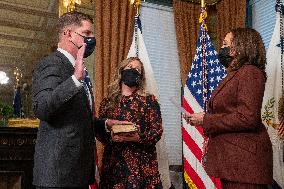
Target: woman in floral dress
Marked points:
130	161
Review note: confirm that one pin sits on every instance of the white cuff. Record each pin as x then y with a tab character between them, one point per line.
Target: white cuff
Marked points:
107	130
76	81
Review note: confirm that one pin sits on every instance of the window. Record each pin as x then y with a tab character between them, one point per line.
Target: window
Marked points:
263	18
159	35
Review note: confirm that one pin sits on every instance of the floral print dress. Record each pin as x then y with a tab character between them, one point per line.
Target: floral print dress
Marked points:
132	165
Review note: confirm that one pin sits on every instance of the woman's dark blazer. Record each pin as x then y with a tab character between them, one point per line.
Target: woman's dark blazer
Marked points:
239	148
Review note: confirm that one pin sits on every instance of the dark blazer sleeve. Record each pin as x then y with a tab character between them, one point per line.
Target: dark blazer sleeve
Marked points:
51	91
99	125
250	83
101	134
153	130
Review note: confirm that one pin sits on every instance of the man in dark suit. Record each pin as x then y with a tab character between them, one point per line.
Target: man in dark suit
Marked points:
63	101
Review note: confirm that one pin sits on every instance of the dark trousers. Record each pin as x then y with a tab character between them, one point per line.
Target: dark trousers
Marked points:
39	187
237	185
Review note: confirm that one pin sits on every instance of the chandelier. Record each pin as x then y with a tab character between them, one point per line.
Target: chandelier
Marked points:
18	76
68	5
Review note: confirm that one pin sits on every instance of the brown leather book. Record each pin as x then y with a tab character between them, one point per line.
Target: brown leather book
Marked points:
123	128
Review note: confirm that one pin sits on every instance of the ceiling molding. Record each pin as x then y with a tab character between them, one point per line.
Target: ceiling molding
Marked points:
7	55
11	48
21	55
11	65
21	26
21	9
24	39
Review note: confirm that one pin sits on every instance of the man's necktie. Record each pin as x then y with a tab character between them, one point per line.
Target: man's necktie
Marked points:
88	87
87	80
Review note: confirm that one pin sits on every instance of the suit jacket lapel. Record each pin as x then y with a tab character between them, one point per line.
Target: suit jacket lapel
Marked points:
90	88
92	96
70	66
65	60
93	101
223	83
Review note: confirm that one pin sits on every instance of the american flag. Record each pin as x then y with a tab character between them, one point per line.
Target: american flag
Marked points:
205	74
272	105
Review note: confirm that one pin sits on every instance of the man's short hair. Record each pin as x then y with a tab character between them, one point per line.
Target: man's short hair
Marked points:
72	18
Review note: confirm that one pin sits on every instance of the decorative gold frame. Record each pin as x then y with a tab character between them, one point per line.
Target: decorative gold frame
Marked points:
33	123
67	6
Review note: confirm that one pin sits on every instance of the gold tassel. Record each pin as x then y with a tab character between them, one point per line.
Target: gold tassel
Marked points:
189	181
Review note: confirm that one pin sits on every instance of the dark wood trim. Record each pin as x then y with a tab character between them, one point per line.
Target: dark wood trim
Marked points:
16	153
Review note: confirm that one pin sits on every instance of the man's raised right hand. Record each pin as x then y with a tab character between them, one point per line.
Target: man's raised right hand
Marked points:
79	72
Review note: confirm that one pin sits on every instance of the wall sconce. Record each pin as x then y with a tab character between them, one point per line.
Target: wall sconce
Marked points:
70	5
18	76
3	78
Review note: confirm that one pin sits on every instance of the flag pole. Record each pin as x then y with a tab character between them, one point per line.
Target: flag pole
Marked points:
280	8
202	21
136	4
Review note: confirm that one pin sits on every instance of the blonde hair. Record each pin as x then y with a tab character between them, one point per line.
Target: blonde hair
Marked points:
114	88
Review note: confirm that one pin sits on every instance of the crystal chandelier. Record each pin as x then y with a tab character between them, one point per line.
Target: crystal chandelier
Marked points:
68	5
18	76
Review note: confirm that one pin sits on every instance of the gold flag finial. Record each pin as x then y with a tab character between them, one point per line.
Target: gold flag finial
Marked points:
137	4
202	3
203	15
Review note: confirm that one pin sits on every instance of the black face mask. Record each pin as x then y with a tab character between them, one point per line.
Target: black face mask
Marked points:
131	77
90	45
224	57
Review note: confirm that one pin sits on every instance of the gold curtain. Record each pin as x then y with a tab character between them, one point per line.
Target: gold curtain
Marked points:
186	23
231	14
114	26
